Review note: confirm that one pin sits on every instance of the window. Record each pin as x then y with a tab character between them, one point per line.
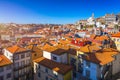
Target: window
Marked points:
113	39
46	70
8	67
88	74
39	66
1	77
20	71
8	75
28	61
28	54
46	78
23	63
39	75
54	58
17	65
16	57
22	56
117	39
16	73
87	64
1	69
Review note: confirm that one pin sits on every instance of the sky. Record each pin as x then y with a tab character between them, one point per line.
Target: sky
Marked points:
54	11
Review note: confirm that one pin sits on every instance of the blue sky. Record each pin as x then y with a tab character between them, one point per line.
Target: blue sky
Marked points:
54	11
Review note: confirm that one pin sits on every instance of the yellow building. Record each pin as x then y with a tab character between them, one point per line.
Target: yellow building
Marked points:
116	39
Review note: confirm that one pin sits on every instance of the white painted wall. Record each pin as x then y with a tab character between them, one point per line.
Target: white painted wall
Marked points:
8	54
60	58
47	55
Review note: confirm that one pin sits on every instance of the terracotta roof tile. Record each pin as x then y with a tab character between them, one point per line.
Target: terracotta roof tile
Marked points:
102	58
4	60
89	48
59	51
16	49
58	67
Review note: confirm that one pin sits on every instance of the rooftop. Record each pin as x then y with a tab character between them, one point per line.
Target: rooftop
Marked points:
102	58
89	48
16	49
59	51
58	67
4	61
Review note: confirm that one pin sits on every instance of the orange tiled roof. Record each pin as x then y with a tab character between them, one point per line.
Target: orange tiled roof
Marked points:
99	38
89	48
102	58
116	35
62	46
58	67
4	60
48	48
16	49
65	41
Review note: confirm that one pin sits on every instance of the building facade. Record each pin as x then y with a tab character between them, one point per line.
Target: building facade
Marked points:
21	59
110	18
6	68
